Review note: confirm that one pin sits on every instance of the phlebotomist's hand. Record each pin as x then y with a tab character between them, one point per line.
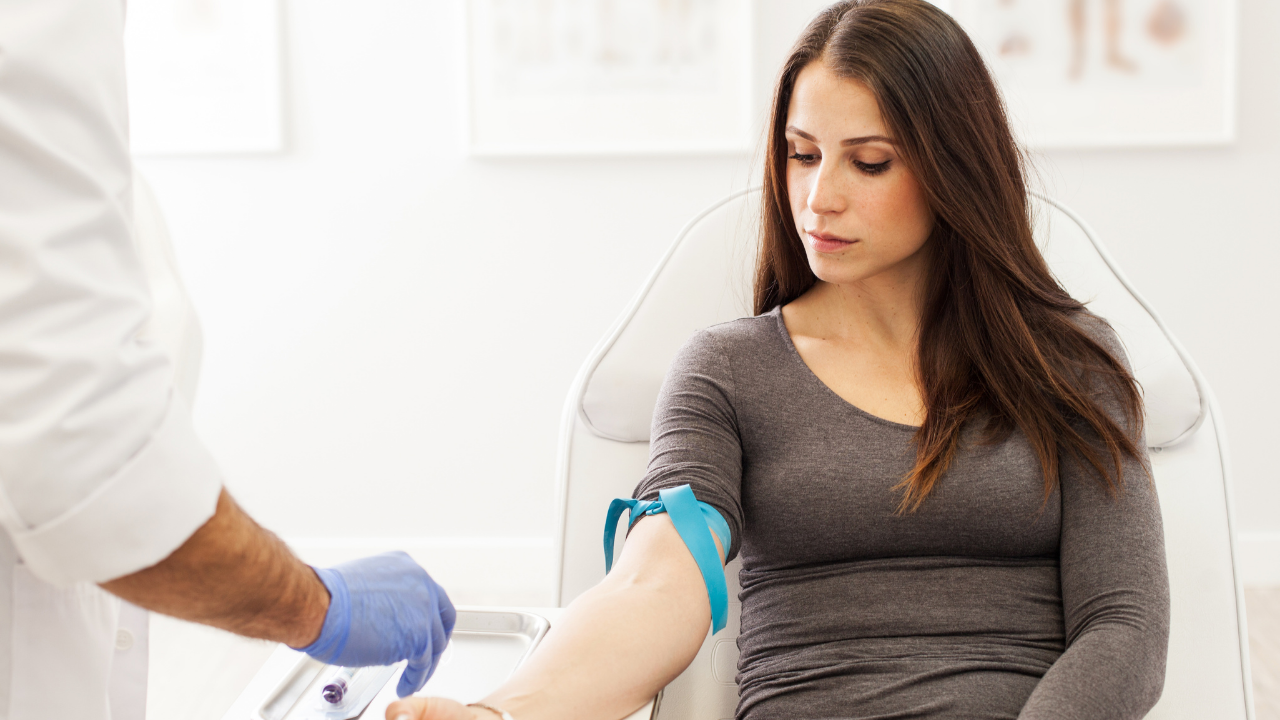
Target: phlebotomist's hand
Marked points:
384	609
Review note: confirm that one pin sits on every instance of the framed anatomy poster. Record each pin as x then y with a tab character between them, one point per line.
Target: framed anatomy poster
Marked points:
1096	73
204	76
591	77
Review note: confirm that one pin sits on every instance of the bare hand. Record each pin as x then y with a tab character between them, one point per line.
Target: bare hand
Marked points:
430	708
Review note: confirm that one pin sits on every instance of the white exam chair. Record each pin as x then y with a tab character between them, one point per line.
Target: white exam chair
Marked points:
705	279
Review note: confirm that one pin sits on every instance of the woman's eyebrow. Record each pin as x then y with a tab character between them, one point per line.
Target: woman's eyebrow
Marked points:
849	141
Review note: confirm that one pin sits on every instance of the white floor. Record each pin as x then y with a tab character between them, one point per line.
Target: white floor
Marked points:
1264	649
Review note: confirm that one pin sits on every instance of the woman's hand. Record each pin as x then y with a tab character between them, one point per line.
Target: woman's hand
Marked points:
430	708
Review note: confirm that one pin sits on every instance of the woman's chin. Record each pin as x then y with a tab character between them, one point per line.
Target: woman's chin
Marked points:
837	271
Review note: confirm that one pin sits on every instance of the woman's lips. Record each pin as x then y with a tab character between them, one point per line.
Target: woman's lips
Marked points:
828	243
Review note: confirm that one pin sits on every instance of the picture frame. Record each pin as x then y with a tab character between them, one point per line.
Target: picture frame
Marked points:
593	77
1111	73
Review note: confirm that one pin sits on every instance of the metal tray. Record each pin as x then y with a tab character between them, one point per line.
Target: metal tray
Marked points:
486	646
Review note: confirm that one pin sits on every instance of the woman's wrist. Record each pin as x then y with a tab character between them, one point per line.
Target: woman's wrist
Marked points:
487	710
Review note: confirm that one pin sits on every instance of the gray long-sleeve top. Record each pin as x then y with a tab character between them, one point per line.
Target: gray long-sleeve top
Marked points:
987	602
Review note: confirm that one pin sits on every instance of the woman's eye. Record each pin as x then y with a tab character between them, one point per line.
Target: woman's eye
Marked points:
803	159
872	168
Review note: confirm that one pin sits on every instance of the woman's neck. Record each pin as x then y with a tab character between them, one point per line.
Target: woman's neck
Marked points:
885	309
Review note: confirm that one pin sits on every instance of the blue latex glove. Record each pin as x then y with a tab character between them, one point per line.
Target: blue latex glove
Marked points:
384	609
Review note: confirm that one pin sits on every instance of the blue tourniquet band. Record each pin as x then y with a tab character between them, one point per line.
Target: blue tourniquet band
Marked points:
695	521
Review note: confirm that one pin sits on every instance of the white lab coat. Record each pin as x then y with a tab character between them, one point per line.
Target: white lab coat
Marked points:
101	473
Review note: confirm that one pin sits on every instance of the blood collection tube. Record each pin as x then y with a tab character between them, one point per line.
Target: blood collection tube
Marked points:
337	687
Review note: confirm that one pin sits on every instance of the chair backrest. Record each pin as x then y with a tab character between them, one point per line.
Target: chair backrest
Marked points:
173	323
705	279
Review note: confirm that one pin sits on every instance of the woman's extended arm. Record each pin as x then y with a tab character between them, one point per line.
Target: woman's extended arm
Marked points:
622	641
615	646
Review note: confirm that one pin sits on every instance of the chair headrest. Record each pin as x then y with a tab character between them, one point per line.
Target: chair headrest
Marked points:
705	279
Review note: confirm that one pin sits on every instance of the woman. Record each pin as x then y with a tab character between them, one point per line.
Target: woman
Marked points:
929	456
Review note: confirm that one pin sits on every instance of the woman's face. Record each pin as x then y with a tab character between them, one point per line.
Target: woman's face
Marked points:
857	207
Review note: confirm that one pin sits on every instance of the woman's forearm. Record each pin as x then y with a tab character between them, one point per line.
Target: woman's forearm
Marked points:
614	647
1113	672
622	641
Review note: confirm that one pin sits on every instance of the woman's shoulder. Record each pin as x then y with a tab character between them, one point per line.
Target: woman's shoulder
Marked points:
749	335
742	353
1100	331
736	345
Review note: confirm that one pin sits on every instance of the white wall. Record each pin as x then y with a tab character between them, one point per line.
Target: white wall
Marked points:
1196	230
391	327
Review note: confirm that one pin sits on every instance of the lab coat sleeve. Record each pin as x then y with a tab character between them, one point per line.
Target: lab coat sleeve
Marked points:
101	473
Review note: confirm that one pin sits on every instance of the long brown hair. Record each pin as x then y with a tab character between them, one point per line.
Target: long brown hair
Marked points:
999	337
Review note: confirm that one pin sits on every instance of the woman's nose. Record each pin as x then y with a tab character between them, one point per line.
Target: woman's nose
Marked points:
824	195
